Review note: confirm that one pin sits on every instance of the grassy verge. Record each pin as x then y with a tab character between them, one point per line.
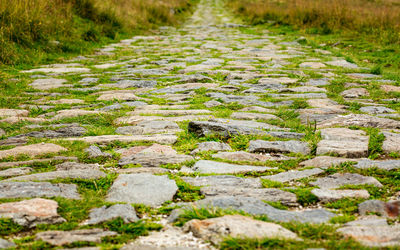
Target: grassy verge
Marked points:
40	31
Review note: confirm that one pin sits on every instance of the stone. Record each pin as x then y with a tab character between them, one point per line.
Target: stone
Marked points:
253	116
20	163
171	112
15	171
5	244
261	146
369	220
211	104
224	180
59	238
303	89
361	121
213	167
106	139
355	93
169	238
87	174
94	152
136	84
154	159
102	214
373	236
58	70
343	142
37	189
385	165
29	213
68	113
245	156
147	189
389	209
376	110
67	101
32	150
46	84
13	112
325	161
342	63
228	128
256	207
66	131
390	88
337	180
118	96
391	142
237	226
211	146
328	195
17	119
133	120
2	132
150	127
293	175
312	65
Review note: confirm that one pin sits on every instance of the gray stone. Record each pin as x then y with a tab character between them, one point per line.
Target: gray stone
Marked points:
326	161
62	174
2	132
37	189
106	139
337	180
59	238
342	63
257	207
102	214
154	159
46	84
238	226
253	116
389	209
211	146
32	150
15	172
209	167
355	93
150	127
369	220
67	131
146	189
224	180
245	156
211	104
136	84
260	146
293	175
360	120
376	110
5	244
373	236
95	152
385	165
328	195
391	142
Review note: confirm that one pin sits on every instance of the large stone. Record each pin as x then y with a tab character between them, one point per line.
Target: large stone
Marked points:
328	195
337	180
224	180
170	112
260	146
389	209
326	161
29	213
94	152
68	113
355	93
256	207
37	189
237	226
146	189
373	236
62	174
118	96
210	167
5	244
13	112
342	63
106	139
154	159
385	165
293	175
15	171
151	127
253	116
46	84
20	163
66	131
59	238
211	146
376	110
135	119
245	156
102	214
32	150
391	142
360	120
343	142
390	88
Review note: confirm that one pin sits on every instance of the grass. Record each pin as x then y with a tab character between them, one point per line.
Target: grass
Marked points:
48	29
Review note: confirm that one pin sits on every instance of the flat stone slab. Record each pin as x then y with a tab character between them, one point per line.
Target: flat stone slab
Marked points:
29	213
46	84
337	180
5	244
154	159
238	226
20	163
355	93
68	113
37	189
373	236
256	207
102	214
385	165
11	172
389	209
147	189
58	70
32	150
325	161
59	238
209	167
359	120
260	146
245	156
328	195
342	63
135	119
343	142
211	146
391	142
105	139
150	127
175	112
293	175
224	180
13	112
253	116
87	174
